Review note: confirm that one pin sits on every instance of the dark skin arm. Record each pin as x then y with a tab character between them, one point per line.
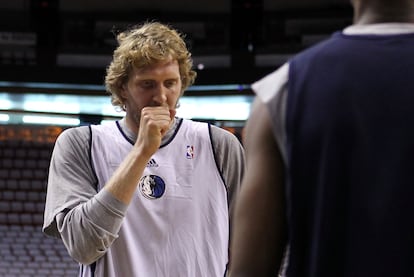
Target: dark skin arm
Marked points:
259	226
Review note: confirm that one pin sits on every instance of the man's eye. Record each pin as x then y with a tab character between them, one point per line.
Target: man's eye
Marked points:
147	84
170	84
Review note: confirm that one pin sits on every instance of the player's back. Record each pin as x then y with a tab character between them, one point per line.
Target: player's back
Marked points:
350	142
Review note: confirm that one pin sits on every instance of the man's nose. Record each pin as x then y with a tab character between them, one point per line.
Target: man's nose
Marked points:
160	95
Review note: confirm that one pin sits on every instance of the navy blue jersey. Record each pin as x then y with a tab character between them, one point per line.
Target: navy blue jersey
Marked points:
350	157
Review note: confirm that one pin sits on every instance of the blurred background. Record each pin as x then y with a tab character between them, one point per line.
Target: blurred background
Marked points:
53	53
53	56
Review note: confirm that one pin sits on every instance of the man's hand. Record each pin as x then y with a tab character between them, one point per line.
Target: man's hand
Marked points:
154	124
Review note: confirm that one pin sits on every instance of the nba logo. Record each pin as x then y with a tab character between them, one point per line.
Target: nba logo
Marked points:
190	152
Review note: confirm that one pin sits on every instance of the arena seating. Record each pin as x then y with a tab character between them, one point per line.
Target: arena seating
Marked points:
24	160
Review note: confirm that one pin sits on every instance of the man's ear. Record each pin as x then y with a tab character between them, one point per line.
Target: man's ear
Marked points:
124	94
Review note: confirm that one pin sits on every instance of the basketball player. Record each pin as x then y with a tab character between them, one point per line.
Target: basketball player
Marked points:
330	154
148	195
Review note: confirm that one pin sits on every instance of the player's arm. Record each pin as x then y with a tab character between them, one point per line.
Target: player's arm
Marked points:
259	224
86	221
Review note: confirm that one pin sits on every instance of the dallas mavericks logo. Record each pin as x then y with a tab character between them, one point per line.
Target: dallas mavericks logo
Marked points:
152	186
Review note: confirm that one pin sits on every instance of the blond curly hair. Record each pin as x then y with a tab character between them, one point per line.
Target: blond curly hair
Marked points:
143	45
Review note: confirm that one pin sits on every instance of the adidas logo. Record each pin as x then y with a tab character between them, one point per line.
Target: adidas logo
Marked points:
152	163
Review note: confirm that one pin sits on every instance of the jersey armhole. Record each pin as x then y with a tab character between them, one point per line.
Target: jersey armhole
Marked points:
90	159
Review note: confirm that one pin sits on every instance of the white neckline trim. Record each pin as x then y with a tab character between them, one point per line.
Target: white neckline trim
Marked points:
380	29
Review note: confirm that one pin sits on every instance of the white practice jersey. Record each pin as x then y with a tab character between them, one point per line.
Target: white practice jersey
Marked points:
177	224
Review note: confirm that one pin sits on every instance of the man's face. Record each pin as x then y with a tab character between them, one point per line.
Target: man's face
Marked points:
155	85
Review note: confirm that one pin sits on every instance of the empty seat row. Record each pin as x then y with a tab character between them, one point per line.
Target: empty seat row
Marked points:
21	163
31	196
25	153
23	184
21	207
23	173
21	218
28	252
